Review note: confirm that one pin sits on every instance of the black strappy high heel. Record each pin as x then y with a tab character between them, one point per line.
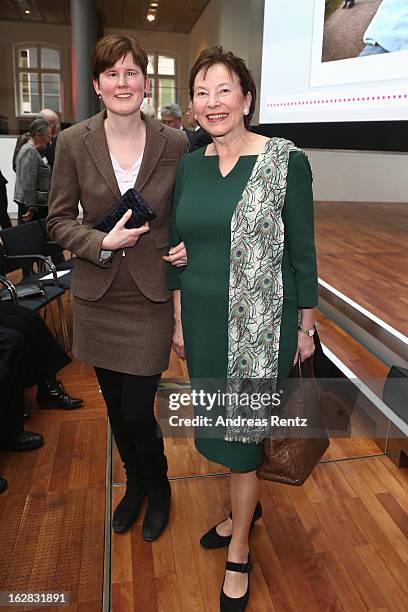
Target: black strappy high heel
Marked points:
212	539
235	604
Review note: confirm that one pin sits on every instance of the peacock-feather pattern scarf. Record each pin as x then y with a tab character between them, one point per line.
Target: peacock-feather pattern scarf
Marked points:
256	290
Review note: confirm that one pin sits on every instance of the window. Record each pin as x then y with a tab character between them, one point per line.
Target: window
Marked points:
162	73
38	78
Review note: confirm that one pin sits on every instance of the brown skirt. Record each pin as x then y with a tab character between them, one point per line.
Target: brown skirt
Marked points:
124	331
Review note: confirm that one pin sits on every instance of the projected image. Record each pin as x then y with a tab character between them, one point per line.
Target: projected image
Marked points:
361	28
297	86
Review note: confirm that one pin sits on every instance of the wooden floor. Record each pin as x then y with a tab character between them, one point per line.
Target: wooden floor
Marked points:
338	543
362	252
52	518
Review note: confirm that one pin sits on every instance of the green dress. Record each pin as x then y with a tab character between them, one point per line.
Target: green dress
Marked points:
204	202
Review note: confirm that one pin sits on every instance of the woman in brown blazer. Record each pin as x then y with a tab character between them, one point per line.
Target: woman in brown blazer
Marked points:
123	314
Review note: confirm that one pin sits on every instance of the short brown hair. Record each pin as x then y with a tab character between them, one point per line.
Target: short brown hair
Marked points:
111	48
234	65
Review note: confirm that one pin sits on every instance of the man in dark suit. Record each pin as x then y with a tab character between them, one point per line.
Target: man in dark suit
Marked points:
171	115
199	137
12	434
4	218
42	357
53	120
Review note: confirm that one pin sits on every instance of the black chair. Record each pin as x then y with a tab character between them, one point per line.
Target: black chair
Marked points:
52	247
8	285
29	238
19	246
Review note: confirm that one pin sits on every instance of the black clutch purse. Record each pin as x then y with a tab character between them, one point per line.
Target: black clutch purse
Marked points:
133	200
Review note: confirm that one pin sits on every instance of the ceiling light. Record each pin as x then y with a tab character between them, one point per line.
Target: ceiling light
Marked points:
150	17
27	12
154	4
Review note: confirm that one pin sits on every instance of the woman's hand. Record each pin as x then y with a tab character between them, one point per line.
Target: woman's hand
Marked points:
28	215
119	237
178	340
305	347
177	255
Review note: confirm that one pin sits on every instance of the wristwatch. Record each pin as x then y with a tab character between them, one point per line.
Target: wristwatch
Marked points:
308	332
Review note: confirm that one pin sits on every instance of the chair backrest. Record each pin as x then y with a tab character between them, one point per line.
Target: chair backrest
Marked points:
23	239
3	263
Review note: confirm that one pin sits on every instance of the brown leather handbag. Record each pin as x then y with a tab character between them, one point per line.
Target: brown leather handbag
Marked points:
291	452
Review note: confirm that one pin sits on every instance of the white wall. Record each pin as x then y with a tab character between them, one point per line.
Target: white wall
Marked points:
236	27
206	31
359	176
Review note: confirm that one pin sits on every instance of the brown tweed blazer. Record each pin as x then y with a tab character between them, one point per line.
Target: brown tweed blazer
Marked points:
83	173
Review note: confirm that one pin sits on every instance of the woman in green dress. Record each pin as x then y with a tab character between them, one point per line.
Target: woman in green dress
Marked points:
244	208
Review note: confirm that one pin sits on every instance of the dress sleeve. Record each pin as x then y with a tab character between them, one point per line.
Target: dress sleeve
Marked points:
298	219
173	273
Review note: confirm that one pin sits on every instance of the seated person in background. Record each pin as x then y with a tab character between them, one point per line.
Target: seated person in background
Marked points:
388	30
171	115
43	356
12	434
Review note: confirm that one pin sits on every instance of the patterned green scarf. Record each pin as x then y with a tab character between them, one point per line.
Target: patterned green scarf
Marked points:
255	289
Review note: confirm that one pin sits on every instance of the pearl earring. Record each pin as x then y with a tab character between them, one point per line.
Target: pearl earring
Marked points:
195	117
246	111
99	96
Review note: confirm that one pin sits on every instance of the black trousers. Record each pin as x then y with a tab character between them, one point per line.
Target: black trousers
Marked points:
130	403
43	355
4	218
11	383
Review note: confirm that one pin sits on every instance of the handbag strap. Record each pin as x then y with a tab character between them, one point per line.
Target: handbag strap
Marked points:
304	370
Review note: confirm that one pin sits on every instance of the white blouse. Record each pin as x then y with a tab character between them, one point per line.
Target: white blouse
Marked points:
125	179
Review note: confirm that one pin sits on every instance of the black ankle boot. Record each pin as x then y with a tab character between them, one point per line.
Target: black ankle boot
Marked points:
128	508
157	513
52	394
